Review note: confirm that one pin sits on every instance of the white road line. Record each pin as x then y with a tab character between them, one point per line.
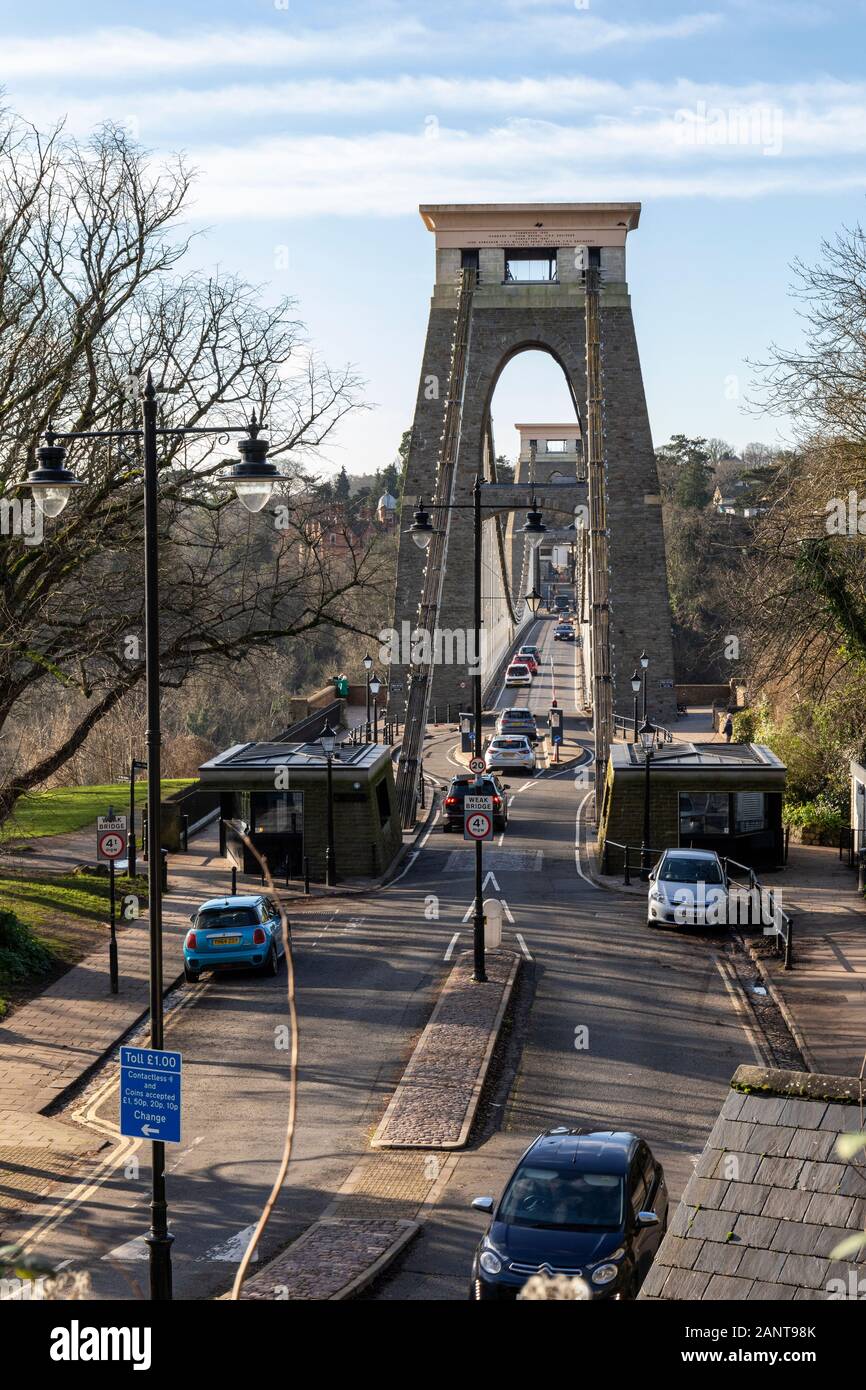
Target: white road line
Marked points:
507	910
231	1251
742	1012
584	876
452	943
412	857
469	911
523	946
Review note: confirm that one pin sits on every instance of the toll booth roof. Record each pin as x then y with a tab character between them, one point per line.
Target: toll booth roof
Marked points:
670	756
264	757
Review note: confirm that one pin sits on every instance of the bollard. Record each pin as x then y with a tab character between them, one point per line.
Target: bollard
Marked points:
329	868
306	875
448	714
164	870
861	870
185	833
627	876
435	714
234	879
423	796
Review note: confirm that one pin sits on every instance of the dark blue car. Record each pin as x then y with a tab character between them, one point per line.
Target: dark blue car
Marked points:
592	1205
230	933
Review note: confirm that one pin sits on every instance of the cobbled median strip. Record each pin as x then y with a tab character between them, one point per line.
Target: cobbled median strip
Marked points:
331	1260
435	1102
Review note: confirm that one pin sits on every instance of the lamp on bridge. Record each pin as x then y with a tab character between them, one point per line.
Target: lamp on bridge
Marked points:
328	741
647	735
636	684
368	666
534	528
374	687
644	663
533	600
421	529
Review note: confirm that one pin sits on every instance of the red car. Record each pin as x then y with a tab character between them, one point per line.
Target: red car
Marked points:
526	658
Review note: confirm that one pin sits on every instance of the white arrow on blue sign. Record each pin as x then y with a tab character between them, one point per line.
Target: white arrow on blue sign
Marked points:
150	1094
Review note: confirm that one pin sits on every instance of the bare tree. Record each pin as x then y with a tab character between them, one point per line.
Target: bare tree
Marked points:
91	294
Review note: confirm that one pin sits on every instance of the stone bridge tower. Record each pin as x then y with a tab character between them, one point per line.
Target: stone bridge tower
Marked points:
530	260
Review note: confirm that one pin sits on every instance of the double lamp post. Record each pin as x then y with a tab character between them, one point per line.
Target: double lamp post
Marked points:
52	484
422	532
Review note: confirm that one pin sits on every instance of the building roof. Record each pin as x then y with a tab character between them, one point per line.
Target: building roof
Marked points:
673	757
387	501
770	1199
252	758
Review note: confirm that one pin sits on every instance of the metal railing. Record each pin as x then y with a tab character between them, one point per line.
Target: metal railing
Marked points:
624	726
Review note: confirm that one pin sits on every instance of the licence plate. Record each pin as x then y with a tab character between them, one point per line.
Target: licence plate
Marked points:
225	941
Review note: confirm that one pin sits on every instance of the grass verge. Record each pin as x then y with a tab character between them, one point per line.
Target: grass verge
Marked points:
70	808
49	923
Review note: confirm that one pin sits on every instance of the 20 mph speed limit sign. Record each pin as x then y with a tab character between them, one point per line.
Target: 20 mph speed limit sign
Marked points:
110	838
478	818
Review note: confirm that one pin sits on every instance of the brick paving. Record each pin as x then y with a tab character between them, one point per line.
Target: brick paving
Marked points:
439	1091
758	1218
327	1259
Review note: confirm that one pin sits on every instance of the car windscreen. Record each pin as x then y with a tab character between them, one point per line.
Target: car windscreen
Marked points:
517	667
509	743
227	917
562	1198
518	716
677	868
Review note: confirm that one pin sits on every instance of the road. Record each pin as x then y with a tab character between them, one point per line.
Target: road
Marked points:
660	1043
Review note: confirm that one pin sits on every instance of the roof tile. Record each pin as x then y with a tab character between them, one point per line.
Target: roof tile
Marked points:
728	1287
805	1271
779	1172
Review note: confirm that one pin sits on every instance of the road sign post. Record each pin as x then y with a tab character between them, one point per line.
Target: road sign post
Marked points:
110	846
150	1094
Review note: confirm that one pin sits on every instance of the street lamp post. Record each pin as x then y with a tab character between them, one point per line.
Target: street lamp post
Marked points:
328	740
131	862
647	737
374	687
51	484
368	666
635	685
644	663
422	532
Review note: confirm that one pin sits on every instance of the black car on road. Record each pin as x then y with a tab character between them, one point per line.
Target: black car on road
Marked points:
592	1205
488	785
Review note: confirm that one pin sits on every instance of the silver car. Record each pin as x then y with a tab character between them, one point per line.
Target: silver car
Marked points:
509	750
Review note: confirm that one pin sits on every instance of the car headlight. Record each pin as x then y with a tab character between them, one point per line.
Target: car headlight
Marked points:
490	1261
604	1274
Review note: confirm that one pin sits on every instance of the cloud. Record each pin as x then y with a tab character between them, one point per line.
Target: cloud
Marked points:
388	173
116	54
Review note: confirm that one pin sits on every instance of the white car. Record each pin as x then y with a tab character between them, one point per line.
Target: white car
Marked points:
688	887
509	750
518	674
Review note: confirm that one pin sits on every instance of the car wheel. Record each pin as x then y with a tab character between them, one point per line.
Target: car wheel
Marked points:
192	977
272	964
651	922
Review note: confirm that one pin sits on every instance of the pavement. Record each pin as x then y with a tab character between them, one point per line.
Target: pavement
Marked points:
611	1027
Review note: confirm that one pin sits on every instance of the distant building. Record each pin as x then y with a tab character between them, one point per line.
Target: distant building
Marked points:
387	511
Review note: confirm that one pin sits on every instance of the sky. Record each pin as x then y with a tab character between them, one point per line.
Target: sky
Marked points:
317	128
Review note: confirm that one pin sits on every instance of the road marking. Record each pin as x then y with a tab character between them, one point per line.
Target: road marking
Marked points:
130	1250
453	942
412	857
523	946
507	910
231	1251
740	1009
469	911
584	876
123	1151
490	877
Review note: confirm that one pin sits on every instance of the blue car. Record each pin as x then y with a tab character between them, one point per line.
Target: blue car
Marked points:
231	933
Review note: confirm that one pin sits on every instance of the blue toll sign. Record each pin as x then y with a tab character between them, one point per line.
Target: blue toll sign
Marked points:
150	1094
